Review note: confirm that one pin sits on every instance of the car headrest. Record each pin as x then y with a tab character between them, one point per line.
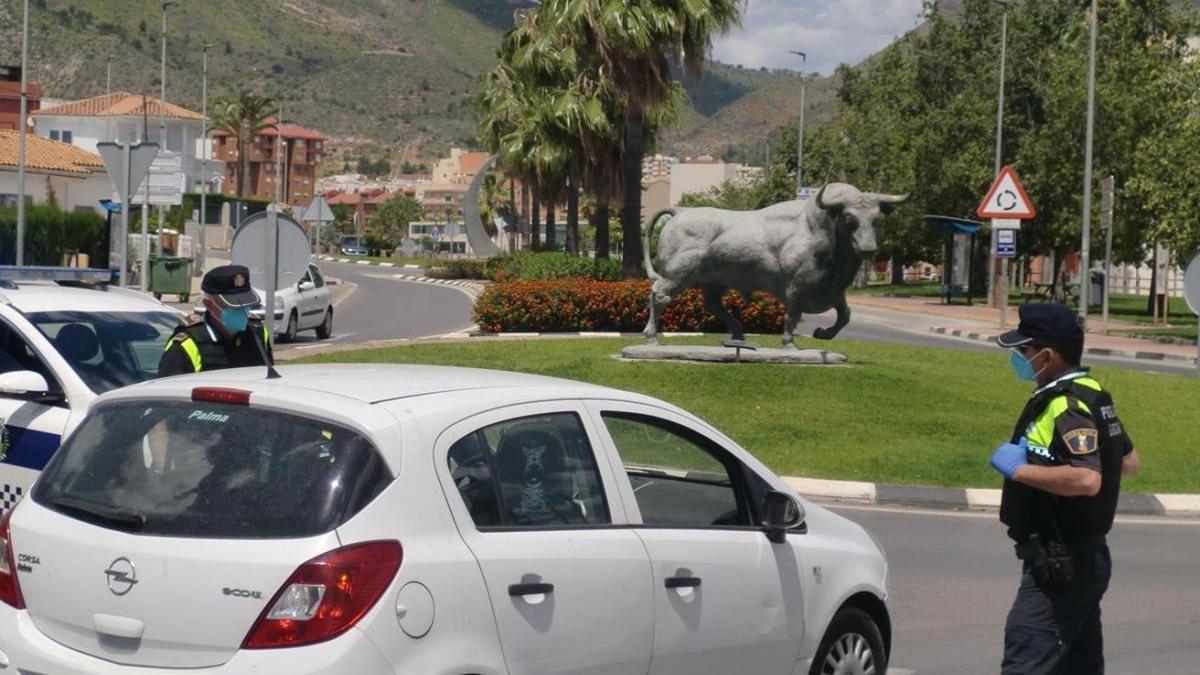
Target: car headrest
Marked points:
529	457
77	342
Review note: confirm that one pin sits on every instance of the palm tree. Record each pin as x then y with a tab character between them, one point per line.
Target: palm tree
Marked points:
635	43
243	117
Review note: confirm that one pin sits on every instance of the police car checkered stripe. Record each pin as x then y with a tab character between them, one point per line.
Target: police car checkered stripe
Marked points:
9	496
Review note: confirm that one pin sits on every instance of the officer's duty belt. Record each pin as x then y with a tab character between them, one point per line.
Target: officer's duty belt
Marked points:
1027	551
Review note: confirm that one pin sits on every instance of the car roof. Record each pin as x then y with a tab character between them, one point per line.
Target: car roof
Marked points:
32	297
376	383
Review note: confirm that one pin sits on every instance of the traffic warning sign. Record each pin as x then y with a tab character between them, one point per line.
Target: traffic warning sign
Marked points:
1007	199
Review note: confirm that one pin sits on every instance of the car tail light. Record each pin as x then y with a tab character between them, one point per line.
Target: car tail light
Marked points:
10	589
326	596
221	395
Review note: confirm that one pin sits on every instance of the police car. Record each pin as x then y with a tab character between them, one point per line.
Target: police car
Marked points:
418	520
61	347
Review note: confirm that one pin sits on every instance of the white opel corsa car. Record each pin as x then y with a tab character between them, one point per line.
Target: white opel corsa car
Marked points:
426	521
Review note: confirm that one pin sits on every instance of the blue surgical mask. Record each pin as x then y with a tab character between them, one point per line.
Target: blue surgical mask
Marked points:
1021	366
235	319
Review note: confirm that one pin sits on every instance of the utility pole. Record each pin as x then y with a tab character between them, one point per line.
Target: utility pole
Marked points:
800	137
1086	243
999	164
107	97
204	150
23	127
162	118
1107	208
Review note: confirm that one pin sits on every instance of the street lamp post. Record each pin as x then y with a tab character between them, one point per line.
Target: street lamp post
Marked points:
24	129
204	150
999	164
800	136
1085	244
107	97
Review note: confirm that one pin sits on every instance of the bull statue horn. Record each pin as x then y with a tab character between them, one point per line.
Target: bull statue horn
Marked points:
893	199
828	205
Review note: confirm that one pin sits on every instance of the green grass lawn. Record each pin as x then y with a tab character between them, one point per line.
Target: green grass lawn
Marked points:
1185	331
897	414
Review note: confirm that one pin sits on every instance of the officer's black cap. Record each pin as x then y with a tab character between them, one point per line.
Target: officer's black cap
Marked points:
1050	324
230	285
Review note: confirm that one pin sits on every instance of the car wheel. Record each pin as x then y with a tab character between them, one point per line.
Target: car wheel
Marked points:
852	646
292	328
326	328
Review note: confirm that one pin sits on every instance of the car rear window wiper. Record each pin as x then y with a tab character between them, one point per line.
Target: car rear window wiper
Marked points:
122	518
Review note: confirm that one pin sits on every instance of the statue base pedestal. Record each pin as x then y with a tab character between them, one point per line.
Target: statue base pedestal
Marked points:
707	354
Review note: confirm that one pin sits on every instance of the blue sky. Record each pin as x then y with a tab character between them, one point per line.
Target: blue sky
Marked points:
831	31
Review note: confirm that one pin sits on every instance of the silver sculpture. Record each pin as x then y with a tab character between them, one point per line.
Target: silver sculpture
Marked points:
803	252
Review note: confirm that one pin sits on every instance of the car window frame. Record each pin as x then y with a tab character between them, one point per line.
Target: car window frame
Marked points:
314	273
59	390
451	434
692	431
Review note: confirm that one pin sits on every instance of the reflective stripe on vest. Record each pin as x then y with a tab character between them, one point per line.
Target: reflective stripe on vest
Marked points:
189	347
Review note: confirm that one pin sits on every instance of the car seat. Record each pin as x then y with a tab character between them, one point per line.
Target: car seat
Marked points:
78	344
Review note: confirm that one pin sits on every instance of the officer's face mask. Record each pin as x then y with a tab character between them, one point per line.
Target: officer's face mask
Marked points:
1023	367
235	319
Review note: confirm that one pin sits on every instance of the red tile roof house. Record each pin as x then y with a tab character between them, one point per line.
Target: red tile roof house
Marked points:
124	117
76	179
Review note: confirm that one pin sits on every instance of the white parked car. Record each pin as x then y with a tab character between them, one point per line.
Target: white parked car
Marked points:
306	305
61	347
426	521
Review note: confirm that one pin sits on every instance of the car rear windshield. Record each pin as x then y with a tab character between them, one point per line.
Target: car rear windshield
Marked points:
189	469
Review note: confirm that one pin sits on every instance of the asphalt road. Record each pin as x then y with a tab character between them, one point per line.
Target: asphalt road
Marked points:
382	307
953	578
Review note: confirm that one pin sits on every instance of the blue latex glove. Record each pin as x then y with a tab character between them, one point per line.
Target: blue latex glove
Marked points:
1009	457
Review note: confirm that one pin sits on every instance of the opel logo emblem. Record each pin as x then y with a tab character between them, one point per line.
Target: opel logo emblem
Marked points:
122	577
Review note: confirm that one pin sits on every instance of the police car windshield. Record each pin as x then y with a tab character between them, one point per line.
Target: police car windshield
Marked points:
210	470
108	349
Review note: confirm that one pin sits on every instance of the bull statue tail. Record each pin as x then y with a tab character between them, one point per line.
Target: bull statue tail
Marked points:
647	235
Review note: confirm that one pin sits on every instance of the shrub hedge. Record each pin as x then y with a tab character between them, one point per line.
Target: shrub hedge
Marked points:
562	305
457	269
550	265
50	232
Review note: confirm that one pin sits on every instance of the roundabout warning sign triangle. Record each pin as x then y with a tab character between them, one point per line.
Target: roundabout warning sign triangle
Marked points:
1007	198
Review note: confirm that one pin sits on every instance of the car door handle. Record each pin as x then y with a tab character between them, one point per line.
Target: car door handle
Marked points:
683	582
517	590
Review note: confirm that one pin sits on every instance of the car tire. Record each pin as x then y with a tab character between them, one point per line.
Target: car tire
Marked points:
325	330
853	645
289	335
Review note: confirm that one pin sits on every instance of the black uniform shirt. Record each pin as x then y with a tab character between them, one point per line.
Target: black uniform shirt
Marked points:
239	351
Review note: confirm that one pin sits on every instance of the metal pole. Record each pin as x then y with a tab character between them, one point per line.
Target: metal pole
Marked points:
126	207
800	136
1108	236
200	247
23	128
1198	348
1085	244
272	247
998	165
162	82
107	98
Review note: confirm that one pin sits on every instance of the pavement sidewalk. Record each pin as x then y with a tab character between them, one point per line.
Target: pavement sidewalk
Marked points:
980	322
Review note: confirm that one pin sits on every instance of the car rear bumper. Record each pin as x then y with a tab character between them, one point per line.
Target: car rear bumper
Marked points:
24	649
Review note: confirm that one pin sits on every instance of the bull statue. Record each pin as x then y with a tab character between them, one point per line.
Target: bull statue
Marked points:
803	252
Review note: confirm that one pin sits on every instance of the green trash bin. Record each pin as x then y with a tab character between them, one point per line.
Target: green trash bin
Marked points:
171	275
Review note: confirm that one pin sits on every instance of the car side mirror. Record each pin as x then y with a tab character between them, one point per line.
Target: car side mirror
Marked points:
20	382
780	513
307	285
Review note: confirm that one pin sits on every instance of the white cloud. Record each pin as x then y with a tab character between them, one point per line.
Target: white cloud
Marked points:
830	31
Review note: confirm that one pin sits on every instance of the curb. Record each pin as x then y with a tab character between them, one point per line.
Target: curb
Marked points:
1095	351
475	286
973	499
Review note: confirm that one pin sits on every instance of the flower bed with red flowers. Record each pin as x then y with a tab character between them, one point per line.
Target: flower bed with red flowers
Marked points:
568	305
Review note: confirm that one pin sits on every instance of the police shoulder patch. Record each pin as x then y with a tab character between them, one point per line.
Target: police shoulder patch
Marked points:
1083	441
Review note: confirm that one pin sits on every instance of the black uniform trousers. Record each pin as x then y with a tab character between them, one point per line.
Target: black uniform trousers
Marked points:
1056	631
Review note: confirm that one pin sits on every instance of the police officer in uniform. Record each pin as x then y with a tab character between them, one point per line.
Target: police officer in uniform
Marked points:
1062	470
225	336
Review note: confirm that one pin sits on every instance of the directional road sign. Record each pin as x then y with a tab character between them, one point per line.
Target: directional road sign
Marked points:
1006	243
1007	199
